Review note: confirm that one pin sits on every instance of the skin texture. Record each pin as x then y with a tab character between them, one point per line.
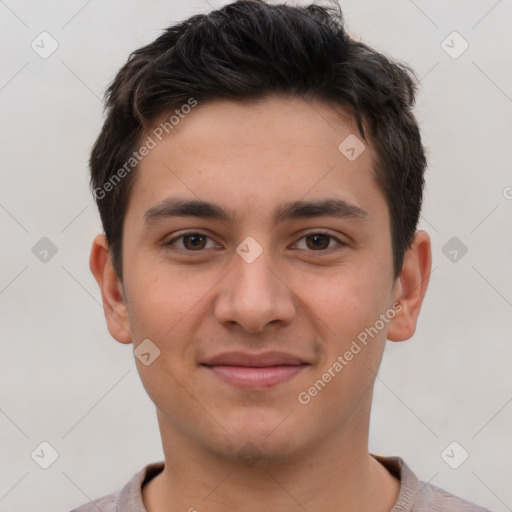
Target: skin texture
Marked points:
293	298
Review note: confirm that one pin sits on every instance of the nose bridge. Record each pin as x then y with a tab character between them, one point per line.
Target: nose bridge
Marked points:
253	276
253	294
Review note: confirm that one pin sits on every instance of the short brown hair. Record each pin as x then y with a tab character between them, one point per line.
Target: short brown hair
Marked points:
246	51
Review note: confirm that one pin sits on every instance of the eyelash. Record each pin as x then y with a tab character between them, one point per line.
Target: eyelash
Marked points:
189	233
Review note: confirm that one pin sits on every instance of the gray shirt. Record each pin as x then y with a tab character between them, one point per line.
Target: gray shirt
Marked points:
414	495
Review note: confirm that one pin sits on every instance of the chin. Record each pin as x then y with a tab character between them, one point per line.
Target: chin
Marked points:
266	442
250	451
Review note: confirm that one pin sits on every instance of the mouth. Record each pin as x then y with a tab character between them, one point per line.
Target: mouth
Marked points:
255	370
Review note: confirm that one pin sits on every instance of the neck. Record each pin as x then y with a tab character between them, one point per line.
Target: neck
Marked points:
339	475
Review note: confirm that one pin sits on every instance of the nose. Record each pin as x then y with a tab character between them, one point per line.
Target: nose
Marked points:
254	295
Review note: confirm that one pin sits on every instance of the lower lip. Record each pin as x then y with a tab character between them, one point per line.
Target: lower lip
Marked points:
254	377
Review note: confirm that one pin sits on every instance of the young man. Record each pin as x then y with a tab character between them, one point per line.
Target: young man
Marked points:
259	177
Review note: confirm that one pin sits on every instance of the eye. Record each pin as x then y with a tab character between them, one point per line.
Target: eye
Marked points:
194	241
319	242
191	241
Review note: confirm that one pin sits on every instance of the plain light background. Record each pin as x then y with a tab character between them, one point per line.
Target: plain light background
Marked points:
65	381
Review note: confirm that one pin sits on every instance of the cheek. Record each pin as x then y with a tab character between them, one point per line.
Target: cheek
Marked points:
347	300
168	302
157	301
354	341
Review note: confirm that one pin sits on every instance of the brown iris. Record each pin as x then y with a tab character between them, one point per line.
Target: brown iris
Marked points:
317	241
196	240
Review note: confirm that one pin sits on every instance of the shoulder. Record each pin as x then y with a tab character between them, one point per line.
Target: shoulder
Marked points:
107	503
418	496
129	498
436	499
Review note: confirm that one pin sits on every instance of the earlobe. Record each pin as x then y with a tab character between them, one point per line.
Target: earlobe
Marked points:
411	287
112	293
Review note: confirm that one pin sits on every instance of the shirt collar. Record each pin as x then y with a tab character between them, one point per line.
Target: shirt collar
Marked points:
130	496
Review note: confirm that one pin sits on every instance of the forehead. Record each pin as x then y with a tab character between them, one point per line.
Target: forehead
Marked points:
255	155
287	123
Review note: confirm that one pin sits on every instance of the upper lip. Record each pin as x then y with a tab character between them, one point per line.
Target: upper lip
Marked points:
264	359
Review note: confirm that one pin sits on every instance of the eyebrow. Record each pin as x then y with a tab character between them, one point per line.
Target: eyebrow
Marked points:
178	207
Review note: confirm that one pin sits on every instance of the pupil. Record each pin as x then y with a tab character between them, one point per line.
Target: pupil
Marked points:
318	242
194	239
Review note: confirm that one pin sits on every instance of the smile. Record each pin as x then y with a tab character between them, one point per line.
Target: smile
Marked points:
255	377
255	370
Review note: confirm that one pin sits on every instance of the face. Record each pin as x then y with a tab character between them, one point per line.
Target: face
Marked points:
271	305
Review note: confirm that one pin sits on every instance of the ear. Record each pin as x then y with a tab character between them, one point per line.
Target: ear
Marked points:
410	287
112	293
